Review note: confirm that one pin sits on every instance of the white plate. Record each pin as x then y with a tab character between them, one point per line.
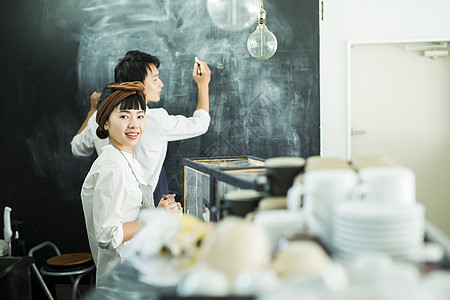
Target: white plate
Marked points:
377	227
348	257
402	253
378	232
349	246
378	239
370	212
392	249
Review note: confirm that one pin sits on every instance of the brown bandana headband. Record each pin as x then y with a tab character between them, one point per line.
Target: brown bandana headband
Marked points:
122	91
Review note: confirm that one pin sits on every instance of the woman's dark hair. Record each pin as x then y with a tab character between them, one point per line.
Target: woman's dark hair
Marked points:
133	66
133	102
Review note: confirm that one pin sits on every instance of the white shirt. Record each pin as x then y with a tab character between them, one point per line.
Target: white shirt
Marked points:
111	197
151	150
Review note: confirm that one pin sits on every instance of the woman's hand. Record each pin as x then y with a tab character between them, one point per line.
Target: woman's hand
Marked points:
168	202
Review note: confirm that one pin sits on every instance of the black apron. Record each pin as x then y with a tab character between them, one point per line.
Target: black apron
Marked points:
162	187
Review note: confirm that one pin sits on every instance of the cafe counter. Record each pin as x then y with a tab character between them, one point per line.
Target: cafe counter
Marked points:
124	282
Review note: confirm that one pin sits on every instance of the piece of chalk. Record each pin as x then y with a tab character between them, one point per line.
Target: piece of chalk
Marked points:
199	72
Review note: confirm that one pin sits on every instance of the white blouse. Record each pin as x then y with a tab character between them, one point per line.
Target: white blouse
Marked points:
111	197
151	150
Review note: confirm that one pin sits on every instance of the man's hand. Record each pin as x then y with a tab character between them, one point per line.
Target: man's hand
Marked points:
202	79
205	72
95	97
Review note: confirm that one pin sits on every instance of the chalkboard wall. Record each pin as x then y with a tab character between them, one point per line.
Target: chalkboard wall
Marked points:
55	53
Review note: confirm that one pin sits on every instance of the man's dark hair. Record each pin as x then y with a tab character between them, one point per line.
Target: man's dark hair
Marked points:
133	66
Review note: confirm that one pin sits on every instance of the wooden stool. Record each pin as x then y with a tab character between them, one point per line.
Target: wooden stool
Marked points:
73	265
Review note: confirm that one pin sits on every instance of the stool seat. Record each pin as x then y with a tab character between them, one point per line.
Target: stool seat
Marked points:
69	259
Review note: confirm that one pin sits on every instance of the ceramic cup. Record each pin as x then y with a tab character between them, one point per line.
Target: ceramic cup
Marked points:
240	202
394	184
271	203
322	189
280	172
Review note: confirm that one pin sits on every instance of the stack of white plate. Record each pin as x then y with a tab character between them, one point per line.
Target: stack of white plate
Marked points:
394	229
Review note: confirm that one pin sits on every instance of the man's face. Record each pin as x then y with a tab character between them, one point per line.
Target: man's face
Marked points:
152	84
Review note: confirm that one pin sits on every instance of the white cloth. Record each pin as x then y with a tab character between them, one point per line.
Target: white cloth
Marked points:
111	197
151	150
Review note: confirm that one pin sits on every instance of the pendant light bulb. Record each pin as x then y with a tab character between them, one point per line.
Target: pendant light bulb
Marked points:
262	44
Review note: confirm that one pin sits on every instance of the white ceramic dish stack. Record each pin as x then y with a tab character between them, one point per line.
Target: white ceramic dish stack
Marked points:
394	229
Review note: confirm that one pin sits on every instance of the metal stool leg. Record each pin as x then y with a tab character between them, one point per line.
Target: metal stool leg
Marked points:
42	282
36	271
75	288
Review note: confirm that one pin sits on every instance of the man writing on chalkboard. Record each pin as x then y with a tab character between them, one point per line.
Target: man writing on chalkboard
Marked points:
161	127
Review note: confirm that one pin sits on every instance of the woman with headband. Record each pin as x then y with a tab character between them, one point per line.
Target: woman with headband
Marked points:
114	190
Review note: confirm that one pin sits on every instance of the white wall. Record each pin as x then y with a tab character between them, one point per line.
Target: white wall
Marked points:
360	20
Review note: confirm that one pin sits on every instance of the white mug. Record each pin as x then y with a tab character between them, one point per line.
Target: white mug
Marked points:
322	189
388	184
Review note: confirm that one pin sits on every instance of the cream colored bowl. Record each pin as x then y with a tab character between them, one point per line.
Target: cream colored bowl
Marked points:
301	258
236	245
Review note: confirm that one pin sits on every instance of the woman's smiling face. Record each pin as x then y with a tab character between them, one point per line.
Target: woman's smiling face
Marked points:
125	127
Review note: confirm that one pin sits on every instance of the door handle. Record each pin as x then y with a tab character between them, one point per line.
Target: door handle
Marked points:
358	132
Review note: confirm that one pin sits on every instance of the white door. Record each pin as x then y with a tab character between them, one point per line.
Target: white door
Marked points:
400	107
